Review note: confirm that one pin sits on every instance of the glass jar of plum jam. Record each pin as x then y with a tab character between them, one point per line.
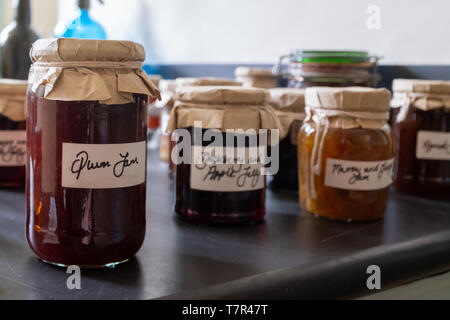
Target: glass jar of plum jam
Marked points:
289	104
345	153
12	132
307	68
421	126
86	138
218	176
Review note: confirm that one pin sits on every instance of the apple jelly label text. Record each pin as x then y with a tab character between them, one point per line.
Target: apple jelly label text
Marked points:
13	148
222	173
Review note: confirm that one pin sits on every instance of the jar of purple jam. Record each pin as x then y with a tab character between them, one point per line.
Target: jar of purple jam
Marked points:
86	134
219	177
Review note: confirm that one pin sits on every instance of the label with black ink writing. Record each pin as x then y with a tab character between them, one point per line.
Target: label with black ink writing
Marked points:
13	148
103	166
226	173
433	145
358	175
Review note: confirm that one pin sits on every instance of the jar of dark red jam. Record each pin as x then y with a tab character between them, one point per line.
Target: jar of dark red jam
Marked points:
289	104
346	153
307	68
86	138
167	88
214	186
421	125
12	132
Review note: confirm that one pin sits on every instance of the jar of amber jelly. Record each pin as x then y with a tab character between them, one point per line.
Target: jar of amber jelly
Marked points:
346	153
224	184
421	125
13	135
86	137
289	105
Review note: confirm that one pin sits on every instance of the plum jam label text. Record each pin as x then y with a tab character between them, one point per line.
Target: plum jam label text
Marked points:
358	175
433	145
103	166
213	172
13	148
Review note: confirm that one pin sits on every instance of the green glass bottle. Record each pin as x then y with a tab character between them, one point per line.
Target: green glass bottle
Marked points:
15	43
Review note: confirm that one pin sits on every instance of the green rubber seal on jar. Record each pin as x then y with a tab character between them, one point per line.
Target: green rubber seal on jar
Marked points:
318	56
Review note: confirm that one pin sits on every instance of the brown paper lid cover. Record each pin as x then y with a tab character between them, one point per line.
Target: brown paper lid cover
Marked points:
348	99
206	81
421	86
13	99
253	72
107	71
222	95
288	99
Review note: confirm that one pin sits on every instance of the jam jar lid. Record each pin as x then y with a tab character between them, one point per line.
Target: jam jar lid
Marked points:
69	49
423	94
348	98
421	86
347	108
206	81
289	105
288	99
222	95
13	99
222	108
323	56
106	71
253	72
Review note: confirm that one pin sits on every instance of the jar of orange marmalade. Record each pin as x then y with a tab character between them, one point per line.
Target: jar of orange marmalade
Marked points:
345	153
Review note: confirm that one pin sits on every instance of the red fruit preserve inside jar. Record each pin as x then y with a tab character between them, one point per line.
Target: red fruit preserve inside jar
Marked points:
421	125
209	188
86	179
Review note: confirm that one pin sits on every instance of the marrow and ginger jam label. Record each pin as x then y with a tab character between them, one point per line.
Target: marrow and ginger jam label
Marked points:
13	148
239	170
433	145
103	166
358	175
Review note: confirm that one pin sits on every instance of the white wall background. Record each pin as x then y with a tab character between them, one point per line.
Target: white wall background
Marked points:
258	31
44	15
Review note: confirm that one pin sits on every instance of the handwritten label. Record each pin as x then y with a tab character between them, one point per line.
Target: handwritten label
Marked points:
103	166
213	172
433	145
13	148
358	175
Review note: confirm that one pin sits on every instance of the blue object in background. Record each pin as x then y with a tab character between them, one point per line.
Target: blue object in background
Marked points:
82	26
